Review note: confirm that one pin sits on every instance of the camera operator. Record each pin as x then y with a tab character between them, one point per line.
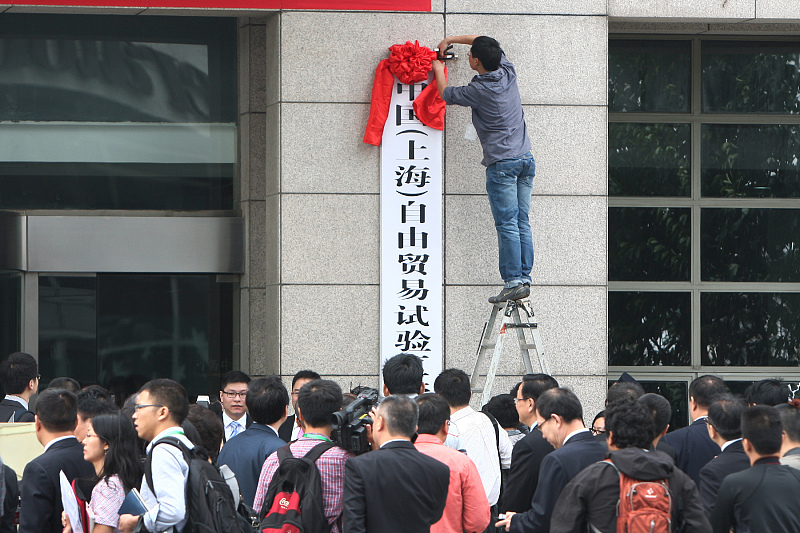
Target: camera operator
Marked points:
395	471
316	401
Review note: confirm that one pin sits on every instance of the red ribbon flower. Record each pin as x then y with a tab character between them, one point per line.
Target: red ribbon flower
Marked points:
410	62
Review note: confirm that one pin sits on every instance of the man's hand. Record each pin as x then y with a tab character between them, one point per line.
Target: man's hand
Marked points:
505	522
443	46
438	74
127	523
437	65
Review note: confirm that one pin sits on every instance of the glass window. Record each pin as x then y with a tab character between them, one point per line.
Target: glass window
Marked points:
650	244
750	329
114	112
122	330
648	159
649	76
649	328
751	245
751	77
10	312
751	161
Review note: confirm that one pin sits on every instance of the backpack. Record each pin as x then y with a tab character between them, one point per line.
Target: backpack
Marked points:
293	503
643	506
209	501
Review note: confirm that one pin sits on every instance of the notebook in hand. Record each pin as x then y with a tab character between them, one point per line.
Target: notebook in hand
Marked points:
133	504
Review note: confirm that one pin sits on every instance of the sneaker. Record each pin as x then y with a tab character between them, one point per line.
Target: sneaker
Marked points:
517	292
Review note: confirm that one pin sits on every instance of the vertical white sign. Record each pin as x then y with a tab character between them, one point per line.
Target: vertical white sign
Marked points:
411	235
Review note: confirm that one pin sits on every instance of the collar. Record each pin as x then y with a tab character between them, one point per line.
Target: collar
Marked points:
226	420
722	448
461	413
701	417
59	439
793	451
771	460
17	399
397	440
577	431
172	430
426	438
534	426
262	427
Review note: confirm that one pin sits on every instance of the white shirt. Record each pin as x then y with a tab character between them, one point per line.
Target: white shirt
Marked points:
722	448
18	400
168	506
226	422
480	442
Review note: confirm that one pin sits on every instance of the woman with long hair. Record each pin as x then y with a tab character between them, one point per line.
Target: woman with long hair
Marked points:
111	446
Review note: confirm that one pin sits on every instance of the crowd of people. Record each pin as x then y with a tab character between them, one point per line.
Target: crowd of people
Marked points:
524	463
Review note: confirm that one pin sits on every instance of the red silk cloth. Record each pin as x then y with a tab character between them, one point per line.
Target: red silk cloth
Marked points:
410	63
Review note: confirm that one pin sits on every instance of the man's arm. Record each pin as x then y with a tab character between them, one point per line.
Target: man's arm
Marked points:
456	39
522	478
537	519
438	66
722	517
169	484
37	504
475	513
354	513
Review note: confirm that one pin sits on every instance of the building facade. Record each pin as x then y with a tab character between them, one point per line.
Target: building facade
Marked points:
186	190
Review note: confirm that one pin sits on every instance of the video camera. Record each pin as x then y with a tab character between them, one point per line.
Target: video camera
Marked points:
348	423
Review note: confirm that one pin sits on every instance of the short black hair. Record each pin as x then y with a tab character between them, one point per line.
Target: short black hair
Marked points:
761	426
601	414
69	384
504	409
267	400
305	374
767	392
659	408
706	389
16	371
209	426
401	414
725	415
453	385
488	51
790	418
318	400
534	385
433	413
95	400
57	410
561	402
624	389
171	395
402	374
630	424
234	376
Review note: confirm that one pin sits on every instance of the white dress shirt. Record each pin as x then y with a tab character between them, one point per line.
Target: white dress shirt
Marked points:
227	423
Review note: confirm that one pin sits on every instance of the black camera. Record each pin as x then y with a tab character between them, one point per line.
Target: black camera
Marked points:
348	423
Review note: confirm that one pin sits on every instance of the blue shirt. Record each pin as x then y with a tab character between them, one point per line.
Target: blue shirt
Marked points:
496	112
245	455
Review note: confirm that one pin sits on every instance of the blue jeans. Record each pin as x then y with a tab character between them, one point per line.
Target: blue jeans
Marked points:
509	183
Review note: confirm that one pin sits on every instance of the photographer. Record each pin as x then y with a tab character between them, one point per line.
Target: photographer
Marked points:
316	401
394	472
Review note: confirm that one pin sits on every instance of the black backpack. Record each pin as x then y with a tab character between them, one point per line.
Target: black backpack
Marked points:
209	501
294	500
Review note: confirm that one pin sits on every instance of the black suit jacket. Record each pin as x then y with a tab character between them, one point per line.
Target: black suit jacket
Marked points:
666	448
693	448
285	431
10	502
395	489
524	473
40	507
557	469
9	407
731	460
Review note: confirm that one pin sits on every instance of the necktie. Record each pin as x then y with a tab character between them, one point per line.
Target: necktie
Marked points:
235	427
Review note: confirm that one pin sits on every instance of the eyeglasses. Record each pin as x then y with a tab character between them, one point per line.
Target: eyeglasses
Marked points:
143	405
598	430
38	376
232	394
517	400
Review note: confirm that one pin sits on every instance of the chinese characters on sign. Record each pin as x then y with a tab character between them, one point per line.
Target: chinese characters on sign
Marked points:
411	235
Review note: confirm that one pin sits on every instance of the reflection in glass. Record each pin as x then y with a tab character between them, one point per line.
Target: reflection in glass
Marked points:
648	159
649	328
759	161
750	245
649	243
649	76
750	329
10	312
751	77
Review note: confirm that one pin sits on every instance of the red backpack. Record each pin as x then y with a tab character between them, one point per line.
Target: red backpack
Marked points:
643	506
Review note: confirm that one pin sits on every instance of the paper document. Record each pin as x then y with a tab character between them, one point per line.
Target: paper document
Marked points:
70	503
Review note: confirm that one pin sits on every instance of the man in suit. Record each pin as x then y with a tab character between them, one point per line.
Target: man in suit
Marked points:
528	453
290	430
560	417
661	411
40	505
763	497
395	471
267	403
693	447
724	428
232	394
19	377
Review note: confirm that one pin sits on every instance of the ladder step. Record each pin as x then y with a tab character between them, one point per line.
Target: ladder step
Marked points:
488	346
528	346
531	325
478	389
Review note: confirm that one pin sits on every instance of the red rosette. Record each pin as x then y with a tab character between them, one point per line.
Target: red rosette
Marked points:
410	62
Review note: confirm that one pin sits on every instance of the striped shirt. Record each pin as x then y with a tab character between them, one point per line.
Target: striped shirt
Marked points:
107	497
331	471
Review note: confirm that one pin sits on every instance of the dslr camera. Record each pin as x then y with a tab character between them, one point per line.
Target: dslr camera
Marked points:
348	423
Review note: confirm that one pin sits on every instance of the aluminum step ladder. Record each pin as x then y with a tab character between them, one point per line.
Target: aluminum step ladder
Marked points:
511	315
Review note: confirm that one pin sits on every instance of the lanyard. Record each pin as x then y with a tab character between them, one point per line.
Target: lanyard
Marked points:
178	431
316	437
